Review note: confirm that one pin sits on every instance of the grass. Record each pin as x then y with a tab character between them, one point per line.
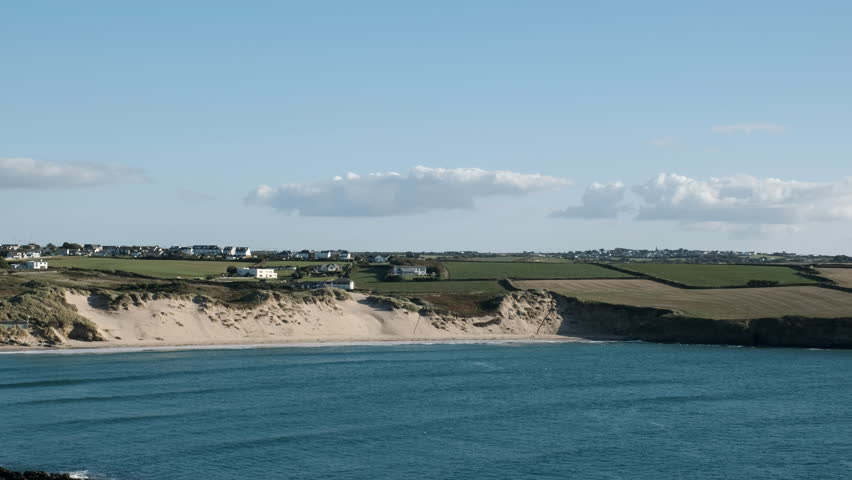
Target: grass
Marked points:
717	275
503	259
497	270
369	278
733	303
152	268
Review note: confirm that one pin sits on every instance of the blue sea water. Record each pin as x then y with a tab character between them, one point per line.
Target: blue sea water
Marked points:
491	411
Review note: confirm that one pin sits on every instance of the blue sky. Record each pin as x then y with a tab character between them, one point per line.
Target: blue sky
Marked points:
157	122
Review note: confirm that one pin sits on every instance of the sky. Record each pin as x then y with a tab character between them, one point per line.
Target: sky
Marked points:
445	125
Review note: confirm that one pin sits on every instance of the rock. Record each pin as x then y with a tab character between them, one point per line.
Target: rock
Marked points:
32	475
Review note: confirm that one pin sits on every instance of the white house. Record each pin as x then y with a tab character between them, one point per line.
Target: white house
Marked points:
329	268
35	265
343	255
242	252
409	271
229	251
323	255
257	272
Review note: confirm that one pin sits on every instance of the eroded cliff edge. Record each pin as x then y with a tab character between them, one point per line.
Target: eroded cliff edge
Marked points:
74	318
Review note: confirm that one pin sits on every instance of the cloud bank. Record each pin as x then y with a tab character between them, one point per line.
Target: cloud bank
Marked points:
599	201
28	173
744	199
739	204
748	128
420	190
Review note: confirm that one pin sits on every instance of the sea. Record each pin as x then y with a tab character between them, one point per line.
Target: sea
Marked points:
431	411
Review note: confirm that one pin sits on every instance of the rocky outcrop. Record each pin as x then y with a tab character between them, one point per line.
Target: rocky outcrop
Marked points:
32	475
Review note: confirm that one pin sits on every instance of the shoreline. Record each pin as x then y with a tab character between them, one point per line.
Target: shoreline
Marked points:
111	347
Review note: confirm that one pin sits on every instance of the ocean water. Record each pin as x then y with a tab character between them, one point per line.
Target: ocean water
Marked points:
490	411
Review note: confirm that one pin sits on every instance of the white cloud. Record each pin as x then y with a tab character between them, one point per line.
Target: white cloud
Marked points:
744	199
599	201
748	128
35	174
383	194
663	141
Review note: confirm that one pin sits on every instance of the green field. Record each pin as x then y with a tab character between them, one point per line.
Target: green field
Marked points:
498	270
508	259
370	279
717	275
152	268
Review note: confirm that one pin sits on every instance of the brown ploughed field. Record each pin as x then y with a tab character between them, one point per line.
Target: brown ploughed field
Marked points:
720	303
841	276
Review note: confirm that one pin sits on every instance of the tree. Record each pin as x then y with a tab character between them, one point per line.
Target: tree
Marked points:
232	270
4	263
71	246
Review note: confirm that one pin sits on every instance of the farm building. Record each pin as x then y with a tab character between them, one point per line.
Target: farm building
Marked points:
35	265
257	272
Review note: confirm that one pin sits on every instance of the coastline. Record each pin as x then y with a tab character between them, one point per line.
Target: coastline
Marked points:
114	347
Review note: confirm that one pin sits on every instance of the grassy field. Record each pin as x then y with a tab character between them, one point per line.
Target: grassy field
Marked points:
153	268
734	303
370	279
717	275
841	276
502	259
498	270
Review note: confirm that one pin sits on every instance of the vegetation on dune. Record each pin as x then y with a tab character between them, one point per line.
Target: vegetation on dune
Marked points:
48	315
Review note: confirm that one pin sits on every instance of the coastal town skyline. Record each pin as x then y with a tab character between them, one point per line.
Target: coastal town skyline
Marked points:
498	127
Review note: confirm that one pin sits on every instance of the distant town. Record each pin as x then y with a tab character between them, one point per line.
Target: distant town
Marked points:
31	251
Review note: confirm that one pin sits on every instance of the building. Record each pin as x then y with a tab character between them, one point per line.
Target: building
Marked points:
343	282
409	271
323	255
343	255
377	259
205	250
242	252
229	251
35	265
329	268
303	255
257	272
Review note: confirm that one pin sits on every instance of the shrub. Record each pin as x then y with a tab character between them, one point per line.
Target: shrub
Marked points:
762	283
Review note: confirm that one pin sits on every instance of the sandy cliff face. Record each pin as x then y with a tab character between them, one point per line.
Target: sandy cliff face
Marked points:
186	320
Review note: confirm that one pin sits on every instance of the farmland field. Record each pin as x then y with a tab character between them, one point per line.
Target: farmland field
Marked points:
370	279
716	275
734	303
153	268
498	270
841	276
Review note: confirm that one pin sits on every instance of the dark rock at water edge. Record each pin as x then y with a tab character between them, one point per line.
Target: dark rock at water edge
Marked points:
10	475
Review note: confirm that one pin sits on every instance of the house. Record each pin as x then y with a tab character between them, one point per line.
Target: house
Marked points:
92	249
257	272
377	259
229	251
343	282
242	252
303	255
342	255
409	271
323	255
35	265
328	268
205	250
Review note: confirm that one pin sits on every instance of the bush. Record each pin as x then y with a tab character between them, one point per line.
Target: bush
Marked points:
4	263
762	283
